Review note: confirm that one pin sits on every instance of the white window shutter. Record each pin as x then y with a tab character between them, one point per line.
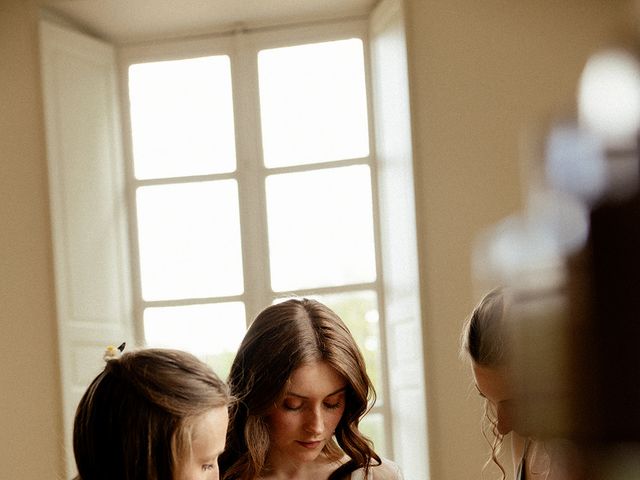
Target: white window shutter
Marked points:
398	239
88	208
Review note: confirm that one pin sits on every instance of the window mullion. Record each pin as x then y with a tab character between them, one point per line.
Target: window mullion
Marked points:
251	175
385	408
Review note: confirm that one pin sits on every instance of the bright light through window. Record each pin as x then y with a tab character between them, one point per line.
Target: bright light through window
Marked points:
313	103
189	238
182	117
320	228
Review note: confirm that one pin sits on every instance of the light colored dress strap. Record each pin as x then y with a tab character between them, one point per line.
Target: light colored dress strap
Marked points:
386	471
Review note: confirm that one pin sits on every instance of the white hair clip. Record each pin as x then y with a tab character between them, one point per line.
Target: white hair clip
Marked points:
113	353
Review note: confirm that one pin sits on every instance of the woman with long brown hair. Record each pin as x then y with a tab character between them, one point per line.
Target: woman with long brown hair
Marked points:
302	388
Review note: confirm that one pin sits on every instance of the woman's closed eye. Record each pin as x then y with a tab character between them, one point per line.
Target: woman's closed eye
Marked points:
332	405
296	405
292	405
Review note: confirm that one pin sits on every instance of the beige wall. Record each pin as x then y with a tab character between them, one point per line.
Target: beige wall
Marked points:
30	428
481	73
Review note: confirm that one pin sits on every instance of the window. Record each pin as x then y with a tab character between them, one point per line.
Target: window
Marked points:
98	287
94	220
252	176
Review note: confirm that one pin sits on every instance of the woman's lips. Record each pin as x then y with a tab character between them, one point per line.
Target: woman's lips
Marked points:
311	445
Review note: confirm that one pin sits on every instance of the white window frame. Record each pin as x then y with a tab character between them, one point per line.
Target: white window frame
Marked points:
88	322
242	47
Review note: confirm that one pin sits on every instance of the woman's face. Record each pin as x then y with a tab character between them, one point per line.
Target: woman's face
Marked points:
305	419
493	384
207	443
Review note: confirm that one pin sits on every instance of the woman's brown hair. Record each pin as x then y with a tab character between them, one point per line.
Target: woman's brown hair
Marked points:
134	420
485	341
282	338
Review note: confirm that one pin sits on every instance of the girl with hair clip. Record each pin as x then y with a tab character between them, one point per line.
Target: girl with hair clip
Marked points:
302	388
151	414
486	342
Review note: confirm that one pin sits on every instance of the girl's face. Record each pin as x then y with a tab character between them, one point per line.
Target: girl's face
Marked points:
305	419
207	443
493	384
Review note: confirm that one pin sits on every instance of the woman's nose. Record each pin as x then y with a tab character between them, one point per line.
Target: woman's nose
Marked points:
314	422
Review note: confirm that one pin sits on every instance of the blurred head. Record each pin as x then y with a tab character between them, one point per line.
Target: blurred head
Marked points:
483	337
485	341
154	414
296	354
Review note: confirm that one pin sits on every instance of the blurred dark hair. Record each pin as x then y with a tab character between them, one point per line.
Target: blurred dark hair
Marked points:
484	340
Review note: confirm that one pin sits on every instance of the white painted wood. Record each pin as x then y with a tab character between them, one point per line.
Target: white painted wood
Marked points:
401	284
124	22
88	208
251	175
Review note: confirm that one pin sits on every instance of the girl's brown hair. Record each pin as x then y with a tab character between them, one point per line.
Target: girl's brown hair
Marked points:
282	338
135	419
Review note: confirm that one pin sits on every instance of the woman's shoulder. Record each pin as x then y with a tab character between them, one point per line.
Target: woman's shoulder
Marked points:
387	470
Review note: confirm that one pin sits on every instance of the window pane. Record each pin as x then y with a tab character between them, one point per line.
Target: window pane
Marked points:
212	332
320	228
313	103
182	117
189	238
373	428
359	310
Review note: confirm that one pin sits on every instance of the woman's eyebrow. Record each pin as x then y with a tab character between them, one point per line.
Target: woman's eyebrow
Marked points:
340	390
297	395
